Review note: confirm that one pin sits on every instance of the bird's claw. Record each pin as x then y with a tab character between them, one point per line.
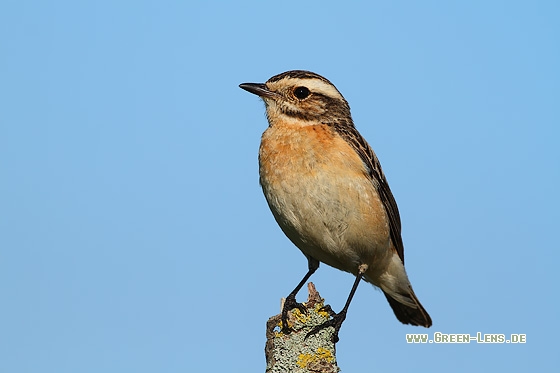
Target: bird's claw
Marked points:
289	304
336	322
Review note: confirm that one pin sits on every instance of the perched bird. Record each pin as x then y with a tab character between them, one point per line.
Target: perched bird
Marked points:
327	191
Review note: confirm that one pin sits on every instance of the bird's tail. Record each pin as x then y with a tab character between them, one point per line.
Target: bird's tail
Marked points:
398	291
410	313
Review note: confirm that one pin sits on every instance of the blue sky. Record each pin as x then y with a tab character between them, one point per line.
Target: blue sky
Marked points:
134	236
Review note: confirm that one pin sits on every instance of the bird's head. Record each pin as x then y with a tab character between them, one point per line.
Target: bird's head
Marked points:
301	98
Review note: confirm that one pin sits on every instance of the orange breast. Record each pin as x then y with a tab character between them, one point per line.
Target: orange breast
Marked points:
321	196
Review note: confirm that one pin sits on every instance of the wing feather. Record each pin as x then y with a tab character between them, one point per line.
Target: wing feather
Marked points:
351	135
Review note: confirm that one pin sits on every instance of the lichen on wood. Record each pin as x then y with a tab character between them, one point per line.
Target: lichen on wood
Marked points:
294	351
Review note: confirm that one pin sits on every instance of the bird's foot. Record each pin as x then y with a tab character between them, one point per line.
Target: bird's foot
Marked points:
336	322
289	304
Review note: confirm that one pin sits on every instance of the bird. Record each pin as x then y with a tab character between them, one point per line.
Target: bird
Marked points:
327	191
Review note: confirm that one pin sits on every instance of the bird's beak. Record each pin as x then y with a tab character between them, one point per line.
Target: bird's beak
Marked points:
258	89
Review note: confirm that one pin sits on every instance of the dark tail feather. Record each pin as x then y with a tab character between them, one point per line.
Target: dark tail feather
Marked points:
408	315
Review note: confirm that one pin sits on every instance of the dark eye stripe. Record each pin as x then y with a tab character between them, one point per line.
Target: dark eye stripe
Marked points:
332	109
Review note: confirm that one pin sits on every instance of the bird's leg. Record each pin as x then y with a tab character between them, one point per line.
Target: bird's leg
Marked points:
290	303
338	318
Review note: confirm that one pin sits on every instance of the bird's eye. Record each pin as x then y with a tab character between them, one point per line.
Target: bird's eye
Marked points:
301	92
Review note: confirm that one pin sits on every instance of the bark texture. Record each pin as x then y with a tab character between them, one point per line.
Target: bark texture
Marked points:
293	352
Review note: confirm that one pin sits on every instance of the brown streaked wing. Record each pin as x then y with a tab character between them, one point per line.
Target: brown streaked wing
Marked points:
351	135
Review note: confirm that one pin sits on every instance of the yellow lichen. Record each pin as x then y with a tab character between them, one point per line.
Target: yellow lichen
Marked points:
322	354
278	333
301	317
325	354
304	359
319	309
